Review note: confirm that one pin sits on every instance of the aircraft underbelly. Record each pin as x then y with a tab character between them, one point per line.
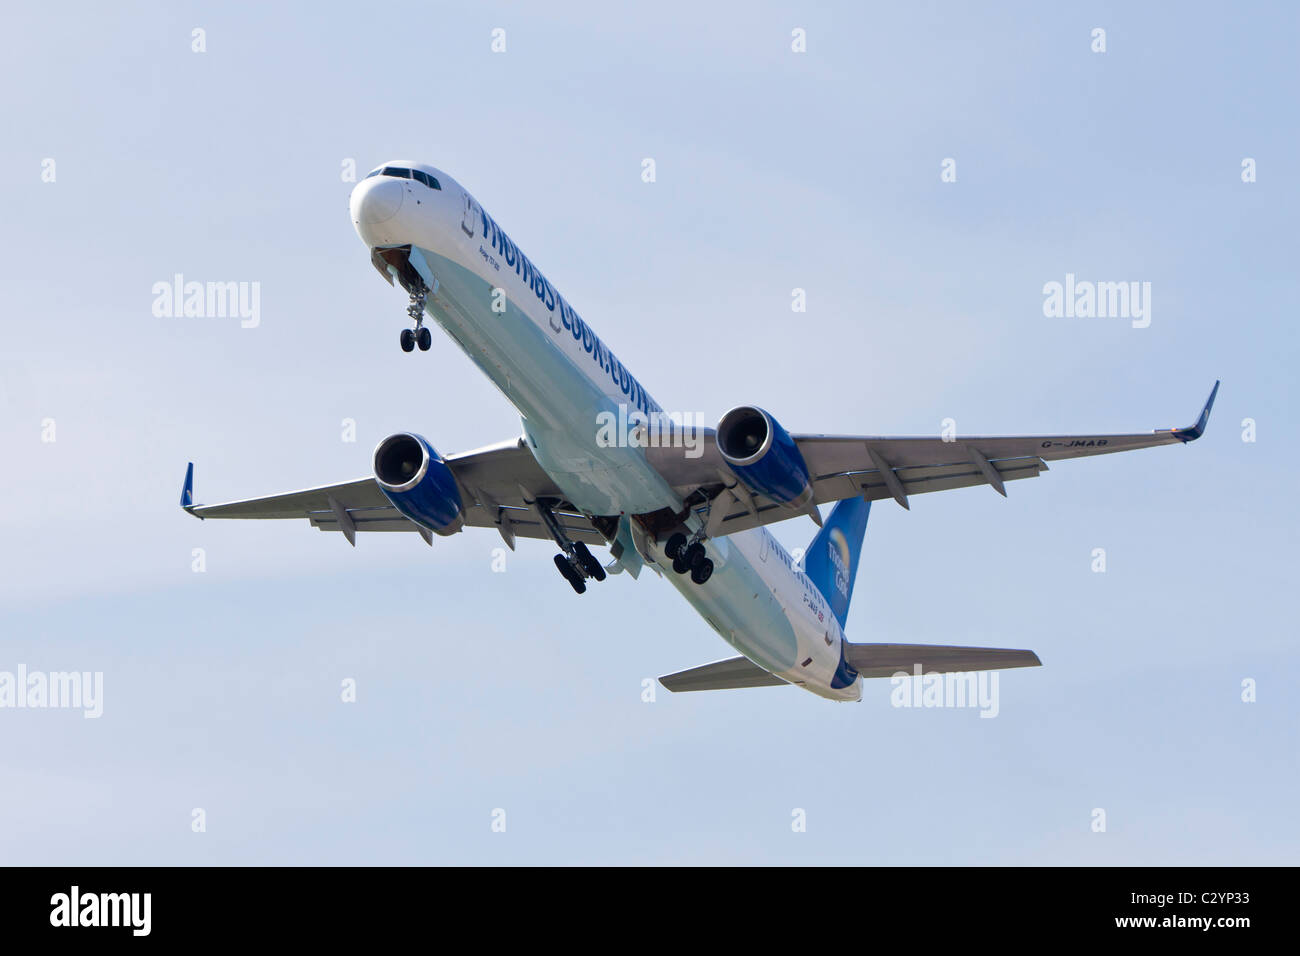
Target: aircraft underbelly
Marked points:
559	404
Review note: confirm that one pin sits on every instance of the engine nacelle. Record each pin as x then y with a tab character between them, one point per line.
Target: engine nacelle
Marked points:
418	482
764	456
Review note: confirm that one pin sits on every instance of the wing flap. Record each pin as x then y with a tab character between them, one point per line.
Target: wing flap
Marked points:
919	480
871	484
392	521
525	522
732	673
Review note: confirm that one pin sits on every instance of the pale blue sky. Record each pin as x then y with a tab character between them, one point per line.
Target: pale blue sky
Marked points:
775	170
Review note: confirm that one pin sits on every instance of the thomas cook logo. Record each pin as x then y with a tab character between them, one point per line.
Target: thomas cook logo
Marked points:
838	547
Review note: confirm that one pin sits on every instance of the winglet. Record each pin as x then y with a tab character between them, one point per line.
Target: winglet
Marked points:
1197	430
187	490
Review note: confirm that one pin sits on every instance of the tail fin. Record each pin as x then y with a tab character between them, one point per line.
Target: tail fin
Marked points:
831	561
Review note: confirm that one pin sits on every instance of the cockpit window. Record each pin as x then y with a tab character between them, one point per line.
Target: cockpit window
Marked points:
399	172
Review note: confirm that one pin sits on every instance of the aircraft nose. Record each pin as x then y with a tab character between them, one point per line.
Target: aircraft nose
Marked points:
376	200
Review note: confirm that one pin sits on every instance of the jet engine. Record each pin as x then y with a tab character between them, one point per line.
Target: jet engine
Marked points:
764	456
418	482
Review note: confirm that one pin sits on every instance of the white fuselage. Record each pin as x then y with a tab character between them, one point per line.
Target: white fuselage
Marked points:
517	328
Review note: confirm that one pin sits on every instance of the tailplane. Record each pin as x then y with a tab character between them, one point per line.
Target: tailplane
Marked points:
886	660
722	675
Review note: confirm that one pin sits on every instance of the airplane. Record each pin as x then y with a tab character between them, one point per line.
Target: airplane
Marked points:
695	512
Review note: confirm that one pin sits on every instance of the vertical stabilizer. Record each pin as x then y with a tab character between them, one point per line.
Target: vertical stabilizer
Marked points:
831	561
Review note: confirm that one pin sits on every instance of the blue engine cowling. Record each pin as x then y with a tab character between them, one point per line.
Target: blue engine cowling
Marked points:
764	456
418	482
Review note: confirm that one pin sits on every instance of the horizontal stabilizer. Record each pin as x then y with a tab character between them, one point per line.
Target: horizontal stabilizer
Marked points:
886	660
722	675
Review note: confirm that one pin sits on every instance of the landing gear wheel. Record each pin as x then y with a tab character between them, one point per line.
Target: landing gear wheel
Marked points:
675	545
702	571
408	340
573	577
688	558
424	339
588	561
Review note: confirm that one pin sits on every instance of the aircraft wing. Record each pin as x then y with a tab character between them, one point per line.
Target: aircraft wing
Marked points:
498	486
883	467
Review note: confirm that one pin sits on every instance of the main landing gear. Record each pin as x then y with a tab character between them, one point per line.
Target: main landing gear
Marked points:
576	563
688	555
419	335
578	566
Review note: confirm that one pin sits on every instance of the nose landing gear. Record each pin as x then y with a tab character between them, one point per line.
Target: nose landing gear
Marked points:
419	335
